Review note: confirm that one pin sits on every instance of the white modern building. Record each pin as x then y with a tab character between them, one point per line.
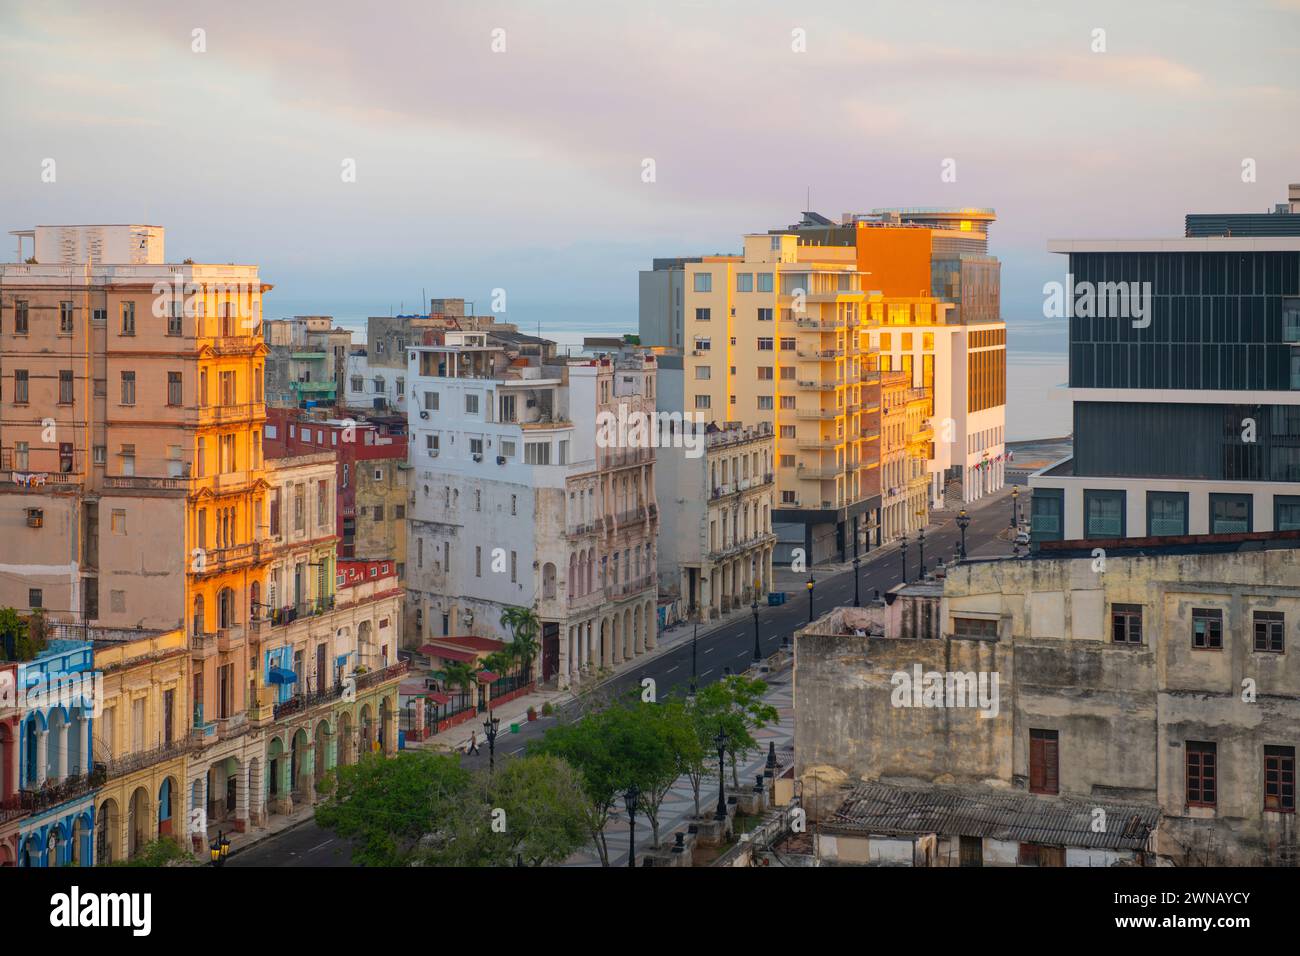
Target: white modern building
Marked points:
1185	379
515	503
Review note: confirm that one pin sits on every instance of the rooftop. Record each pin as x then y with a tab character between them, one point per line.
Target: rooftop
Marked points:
1000	815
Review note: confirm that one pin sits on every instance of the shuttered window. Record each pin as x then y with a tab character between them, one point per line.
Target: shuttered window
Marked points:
1202	774
1044	766
1279	779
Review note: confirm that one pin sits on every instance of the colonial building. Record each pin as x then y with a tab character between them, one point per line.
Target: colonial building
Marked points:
906	447
306	362
1148	685
716	540
515	502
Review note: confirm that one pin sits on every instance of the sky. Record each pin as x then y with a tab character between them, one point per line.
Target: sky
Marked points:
503	145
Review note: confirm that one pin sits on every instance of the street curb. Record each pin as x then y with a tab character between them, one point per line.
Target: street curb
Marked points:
291	827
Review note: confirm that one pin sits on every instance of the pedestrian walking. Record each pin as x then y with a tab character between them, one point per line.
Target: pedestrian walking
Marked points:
473	743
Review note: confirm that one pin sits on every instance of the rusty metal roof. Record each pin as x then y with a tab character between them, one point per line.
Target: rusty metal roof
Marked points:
1001	815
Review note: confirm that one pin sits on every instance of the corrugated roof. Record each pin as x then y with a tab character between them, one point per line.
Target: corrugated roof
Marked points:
950	811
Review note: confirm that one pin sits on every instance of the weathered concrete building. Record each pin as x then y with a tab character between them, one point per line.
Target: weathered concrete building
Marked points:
1132	678
306	361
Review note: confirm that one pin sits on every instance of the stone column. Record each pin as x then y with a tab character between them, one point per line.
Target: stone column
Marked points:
241	801
256	794
61	757
390	730
83	738
307	771
652	626
42	754
616	638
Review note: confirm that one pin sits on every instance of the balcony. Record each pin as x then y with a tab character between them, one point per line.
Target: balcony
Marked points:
740	547
819	414
120	766
234	412
235	344
819	472
820	355
53	793
302	702
225	559
313	388
825	443
309	356
819	386
203	646
142	483
230	639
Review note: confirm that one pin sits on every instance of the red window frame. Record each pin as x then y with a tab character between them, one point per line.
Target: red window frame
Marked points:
1202	777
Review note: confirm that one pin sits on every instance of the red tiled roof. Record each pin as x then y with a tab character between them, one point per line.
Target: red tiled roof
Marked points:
487	677
448	653
438	698
473	642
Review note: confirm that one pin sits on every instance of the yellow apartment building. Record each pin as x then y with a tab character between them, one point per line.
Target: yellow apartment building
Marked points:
905	451
142	738
775	336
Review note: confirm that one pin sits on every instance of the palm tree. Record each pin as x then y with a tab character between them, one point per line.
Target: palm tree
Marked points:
459	674
524	626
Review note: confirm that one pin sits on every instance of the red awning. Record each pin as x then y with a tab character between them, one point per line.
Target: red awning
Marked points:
438	698
487	677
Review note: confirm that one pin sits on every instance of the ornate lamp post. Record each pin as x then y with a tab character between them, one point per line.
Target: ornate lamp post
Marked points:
810	585
720	741
1015	508
631	798
920	538
902	550
963	522
490	728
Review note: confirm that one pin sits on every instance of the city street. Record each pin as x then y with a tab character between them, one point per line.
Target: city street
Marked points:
728	649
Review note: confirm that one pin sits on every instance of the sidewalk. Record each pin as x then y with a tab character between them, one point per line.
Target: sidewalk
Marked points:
275	824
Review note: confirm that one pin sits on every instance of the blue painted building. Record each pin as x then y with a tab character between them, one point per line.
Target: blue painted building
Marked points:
57	779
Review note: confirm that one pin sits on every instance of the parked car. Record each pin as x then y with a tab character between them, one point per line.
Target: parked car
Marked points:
1022	536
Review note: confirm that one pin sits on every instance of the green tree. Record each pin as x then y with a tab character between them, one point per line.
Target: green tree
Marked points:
21	637
524	628
399	810
676	750
585	746
735	706
546	809
459	674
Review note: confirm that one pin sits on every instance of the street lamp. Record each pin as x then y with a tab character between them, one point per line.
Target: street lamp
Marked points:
758	653
963	522
720	741
630	798
921	544
902	550
219	849
490	728
856	562
810	586
1015	507
695	635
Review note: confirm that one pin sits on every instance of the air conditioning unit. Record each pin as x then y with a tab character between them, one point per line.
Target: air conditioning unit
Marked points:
35	518
476	456
501	459
433	453
424	414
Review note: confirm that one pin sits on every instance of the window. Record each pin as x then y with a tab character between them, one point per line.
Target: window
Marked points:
765	373
476	446
1103	514
1270	631
703	282
1044	762
35	598
703	373
99	316
1279	779
20	386
703	315
765	282
323	505
507	449
1202	760
765	315
765	402
128	318
1286	513
128	388
972	851
1126	623
787	461
1207	629
787	373
65	318
1230	513
174	317
118	521
478	561
128	460
357	383
65	386
1166	513
703	401
765	344
744	282
787	402
788	345
20	317
537	453
173	388
431	401
703	345
100	453
975	628
471	403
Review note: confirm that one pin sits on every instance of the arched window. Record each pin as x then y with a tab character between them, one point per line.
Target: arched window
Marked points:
197	623
226	608
255	601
